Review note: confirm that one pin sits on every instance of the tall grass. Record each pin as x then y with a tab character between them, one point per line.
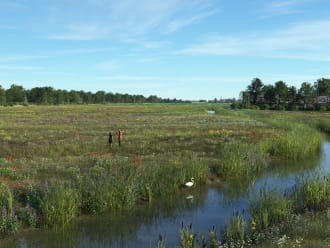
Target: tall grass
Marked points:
240	159
59	206
6	199
312	193
8	221
269	208
236	229
323	125
187	237
297	143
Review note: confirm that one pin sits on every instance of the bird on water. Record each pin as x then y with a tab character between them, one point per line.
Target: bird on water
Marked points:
190	183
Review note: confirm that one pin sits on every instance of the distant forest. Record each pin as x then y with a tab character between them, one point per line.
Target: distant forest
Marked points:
280	96
16	94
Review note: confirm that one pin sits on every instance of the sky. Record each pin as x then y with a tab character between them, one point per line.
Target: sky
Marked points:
184	49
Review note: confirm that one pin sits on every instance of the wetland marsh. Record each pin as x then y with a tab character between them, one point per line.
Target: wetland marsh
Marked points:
58	173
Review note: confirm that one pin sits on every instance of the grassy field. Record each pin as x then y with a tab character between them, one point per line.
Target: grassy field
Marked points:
55	162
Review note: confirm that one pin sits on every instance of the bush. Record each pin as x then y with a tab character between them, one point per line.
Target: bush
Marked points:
8	223
28	216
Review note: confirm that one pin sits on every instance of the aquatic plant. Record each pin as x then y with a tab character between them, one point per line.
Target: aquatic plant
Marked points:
187	237
59	206
27	216
6	198
312	193
268	208
236	229
8	223
323	125
239	159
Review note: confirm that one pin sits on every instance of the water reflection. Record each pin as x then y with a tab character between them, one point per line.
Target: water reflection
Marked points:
200	206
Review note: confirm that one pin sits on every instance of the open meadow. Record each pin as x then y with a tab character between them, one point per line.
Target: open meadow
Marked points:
56	164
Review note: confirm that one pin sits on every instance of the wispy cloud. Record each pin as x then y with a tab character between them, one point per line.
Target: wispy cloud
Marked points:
21	57
283	7
307	40
108	65
19	68
177	24
128	78
127	18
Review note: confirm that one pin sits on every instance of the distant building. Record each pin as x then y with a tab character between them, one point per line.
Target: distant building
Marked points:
323	99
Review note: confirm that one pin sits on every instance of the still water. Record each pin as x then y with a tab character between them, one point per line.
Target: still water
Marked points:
203	207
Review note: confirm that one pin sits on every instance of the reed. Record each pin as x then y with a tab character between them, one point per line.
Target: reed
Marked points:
59	206
239	159
6	199
323	125
236	229
312	193
187	237
269	208
296	142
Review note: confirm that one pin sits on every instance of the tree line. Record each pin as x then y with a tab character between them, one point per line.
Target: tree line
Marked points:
281	96
16	94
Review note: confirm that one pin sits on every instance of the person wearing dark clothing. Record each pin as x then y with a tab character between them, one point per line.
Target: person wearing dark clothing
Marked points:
110	139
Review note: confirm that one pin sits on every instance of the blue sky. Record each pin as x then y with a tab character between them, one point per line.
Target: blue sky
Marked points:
187	49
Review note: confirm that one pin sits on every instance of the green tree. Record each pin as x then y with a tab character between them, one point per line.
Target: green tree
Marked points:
269	94
292	94
74	97
255	89
2	96
281	90
322	87
306	92
99	97
16	94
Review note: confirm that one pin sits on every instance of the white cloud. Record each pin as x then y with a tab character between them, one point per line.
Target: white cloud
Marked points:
22	57
308	41
283	7
177	24
128	78
19	68
124	19
107	65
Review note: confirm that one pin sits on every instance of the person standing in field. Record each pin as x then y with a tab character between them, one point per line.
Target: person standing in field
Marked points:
120	136
110	140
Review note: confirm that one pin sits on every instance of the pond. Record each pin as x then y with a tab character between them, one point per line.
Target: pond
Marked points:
203	207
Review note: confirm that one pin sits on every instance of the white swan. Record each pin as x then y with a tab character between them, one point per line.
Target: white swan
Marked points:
191	183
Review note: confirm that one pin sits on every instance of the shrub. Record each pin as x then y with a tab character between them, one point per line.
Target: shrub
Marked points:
28	216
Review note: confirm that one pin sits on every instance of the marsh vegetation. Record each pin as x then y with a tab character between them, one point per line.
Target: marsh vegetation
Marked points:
56	164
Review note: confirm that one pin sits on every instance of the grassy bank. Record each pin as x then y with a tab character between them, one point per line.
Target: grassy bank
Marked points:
56	164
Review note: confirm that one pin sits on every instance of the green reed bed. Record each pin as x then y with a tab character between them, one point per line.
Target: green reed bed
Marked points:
268	208
163	147
323	125
297	142
241	159
312	193
8	221
59	205
236	230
